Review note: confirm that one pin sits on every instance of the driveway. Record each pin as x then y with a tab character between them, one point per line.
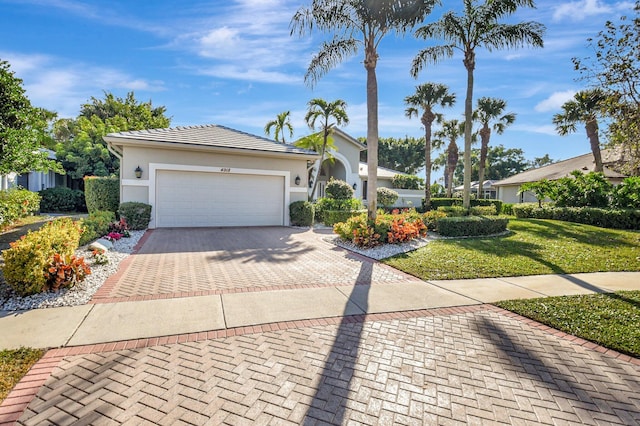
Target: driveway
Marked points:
203	261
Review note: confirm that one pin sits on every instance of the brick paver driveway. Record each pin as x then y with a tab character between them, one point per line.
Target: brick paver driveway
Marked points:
216	260
481	366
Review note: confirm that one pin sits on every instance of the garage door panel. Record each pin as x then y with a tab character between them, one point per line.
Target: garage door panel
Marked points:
185	199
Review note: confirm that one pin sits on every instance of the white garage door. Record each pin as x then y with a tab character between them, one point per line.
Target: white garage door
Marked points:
185	199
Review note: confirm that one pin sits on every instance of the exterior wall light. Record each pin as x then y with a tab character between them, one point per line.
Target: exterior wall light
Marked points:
138	172
297	180
355	186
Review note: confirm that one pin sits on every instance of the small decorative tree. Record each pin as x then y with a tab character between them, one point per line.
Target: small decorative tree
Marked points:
387	197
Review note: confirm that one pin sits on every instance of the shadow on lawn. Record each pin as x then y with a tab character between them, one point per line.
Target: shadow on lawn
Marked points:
331	396
579	233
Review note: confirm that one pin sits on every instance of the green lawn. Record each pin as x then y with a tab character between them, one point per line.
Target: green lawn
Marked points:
14	364
534	246
608	319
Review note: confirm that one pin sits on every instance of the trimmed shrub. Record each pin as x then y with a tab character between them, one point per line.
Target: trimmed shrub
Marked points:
62	199
325	204
16	204
338	189
102	193
65	271
27	261
483	202
137	215
507	208
301	213
627	194
470	226
386	196
95	226
605	218
331	217
483	210
407	182
431	218
455	211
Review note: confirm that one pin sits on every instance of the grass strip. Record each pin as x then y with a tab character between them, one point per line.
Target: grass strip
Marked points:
14	364
608	319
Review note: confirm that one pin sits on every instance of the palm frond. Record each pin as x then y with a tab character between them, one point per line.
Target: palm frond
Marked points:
331	54
430	55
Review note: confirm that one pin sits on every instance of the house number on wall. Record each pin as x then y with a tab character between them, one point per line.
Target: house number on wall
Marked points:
225	170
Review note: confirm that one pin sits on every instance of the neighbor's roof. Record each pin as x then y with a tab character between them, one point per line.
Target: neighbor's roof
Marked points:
210	135
382	172
585	163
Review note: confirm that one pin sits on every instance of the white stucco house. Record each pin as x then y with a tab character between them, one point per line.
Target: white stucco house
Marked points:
508	189
212	175
33	181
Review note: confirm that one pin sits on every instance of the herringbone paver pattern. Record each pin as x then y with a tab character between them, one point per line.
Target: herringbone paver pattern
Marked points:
475	368
209	259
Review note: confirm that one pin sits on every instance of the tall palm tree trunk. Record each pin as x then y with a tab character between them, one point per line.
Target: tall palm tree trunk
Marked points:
485	134
427	121
371	58
452	162
592	133
469	63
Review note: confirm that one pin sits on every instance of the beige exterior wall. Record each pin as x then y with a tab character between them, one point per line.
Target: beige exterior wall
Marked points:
348	150
152	159
509	194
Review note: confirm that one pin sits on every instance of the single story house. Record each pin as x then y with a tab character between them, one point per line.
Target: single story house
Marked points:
490	192
33	181
508	189
210	175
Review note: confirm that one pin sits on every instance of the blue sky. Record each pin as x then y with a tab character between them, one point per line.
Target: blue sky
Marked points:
233	63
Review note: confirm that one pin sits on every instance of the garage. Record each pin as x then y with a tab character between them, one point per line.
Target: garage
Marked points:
196	199
210	176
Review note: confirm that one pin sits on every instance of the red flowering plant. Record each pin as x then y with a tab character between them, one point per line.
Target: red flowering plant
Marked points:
120	227
113	236
65	271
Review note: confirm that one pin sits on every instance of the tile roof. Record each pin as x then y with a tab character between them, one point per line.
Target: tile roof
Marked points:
584	163
210	135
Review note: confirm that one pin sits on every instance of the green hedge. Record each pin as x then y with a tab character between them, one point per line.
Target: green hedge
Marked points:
301	213
605	218
16	204
102	193
137	215
471	226
407	182
62	199
331	217
323	204
447	202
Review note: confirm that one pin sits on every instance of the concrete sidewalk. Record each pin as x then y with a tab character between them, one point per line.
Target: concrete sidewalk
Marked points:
114	322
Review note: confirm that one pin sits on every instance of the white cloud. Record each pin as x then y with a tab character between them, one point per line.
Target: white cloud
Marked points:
65	87
544	129
555	101
582	9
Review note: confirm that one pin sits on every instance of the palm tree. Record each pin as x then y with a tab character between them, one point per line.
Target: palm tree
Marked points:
325	111
490	110
355	24
478	26
280	124
427	96
583	108
451	130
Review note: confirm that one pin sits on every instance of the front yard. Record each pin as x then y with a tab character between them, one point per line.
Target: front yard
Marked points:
534	246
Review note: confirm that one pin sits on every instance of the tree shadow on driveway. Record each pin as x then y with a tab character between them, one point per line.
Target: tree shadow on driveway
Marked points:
329	401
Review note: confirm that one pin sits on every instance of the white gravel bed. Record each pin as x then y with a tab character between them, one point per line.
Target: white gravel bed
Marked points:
81	293
385	250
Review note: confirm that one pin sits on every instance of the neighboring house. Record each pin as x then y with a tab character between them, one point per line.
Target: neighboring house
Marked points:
33	181
346	166
490	191
210	176
508	189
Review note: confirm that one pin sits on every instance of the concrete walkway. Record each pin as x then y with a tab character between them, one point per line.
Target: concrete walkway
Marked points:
123	321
